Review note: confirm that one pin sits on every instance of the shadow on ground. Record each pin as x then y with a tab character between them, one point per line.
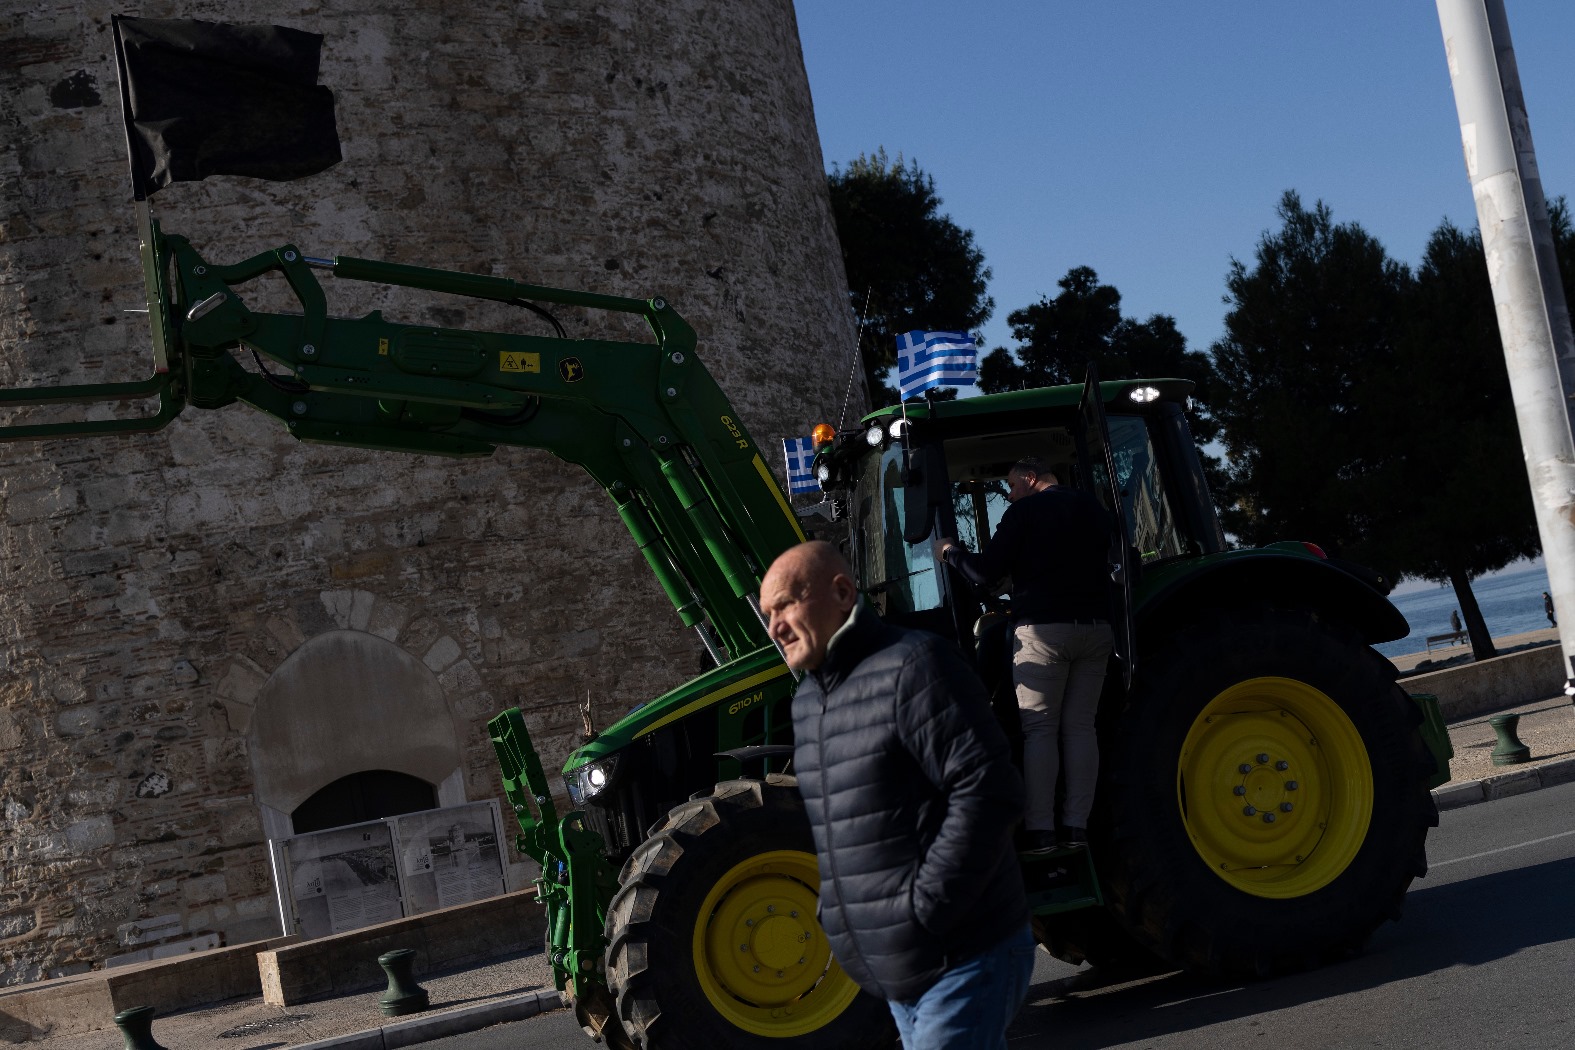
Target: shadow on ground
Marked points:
1444	926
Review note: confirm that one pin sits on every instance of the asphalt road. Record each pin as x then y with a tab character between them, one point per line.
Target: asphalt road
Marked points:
1484	956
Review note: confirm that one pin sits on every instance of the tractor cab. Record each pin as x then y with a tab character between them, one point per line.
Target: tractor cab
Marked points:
939	470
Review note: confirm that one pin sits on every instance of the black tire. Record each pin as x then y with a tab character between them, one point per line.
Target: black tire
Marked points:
597	1014
699	881
1267	795
1094	936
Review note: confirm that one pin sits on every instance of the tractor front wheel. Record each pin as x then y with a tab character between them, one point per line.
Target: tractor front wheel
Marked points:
713	937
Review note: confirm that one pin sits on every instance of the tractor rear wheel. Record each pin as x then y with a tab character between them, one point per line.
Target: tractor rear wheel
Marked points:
1094	936
1268	801
713	937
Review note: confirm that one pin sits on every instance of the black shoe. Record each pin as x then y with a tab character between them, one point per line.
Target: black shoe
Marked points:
1072	836
1036	842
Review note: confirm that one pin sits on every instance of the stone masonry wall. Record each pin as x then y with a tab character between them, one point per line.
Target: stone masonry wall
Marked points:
149	585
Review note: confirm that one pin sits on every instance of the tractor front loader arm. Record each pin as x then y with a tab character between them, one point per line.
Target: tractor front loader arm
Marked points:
645	419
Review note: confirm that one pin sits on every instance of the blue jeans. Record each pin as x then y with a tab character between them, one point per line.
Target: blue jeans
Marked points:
973	1002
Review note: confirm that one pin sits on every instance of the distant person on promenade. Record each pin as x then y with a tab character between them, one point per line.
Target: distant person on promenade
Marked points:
1454	620
1547	607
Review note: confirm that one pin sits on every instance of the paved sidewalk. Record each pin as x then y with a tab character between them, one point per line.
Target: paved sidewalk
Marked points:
467	1000
1454	655
1547	727
520	986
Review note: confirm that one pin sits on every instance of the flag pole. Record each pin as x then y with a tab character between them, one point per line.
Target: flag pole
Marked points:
858	354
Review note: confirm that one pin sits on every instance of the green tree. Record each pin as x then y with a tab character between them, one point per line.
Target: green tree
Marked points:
1453	481
909	264
1308	324
1058	338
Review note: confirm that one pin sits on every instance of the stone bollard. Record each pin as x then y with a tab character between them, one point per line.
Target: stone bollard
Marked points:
404	995
1509	750
136	1028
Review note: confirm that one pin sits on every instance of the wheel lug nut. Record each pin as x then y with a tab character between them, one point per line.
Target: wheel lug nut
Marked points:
749	922
1249	811
743	947
779	973
1263	759
794	914
1286	807
771	907
1268	818
1291	785
1282	765
1239	789
1244	768
757	969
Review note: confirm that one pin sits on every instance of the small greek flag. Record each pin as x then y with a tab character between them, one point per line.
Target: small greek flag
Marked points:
800	456
927	359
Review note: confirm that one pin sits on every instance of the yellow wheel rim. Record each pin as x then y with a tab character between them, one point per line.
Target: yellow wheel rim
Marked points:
761	957
1275	787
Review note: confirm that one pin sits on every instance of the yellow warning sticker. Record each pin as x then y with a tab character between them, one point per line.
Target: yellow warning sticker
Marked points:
382	348
510	361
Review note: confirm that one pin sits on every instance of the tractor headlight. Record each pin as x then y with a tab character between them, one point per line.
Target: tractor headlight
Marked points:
1143	394
591	779
823	474
875	437
898	428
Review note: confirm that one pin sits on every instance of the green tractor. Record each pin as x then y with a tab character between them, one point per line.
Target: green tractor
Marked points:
1264	796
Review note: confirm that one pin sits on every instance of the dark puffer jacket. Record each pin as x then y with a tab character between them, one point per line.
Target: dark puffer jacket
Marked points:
912	796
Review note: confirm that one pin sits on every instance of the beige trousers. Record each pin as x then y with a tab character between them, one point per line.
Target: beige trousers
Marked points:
1059	671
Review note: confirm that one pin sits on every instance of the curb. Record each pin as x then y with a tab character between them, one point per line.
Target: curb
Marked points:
1517	782
452	1022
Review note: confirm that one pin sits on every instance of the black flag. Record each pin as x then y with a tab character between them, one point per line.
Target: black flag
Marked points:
204	98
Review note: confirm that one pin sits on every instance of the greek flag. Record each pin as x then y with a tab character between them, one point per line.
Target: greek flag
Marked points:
928	359
800	456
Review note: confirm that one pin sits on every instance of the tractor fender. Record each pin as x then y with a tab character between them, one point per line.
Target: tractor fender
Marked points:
1273	576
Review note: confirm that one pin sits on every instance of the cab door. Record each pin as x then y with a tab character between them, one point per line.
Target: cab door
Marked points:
1097	474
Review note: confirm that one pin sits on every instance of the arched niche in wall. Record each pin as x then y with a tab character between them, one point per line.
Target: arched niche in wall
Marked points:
346	702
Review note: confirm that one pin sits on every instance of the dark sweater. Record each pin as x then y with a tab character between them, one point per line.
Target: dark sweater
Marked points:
1055	545
912	795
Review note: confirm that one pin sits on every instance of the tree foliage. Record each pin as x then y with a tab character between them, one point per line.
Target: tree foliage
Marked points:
1368	408
1308	324
1455	446
913	266
1058	338
1452	489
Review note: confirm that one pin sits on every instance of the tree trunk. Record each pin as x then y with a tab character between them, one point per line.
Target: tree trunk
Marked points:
1471	614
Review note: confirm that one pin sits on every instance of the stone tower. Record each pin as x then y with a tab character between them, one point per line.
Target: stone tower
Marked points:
202	627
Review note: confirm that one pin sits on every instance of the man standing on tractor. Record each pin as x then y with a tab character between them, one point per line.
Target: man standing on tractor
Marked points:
1054	542
911	794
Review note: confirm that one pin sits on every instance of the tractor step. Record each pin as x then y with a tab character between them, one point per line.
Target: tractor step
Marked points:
1061	880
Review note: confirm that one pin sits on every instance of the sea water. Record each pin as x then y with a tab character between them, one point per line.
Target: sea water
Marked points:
1511	603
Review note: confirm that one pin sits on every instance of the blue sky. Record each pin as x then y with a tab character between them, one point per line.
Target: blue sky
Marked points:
1152	141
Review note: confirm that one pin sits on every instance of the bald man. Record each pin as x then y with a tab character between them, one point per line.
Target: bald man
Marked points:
911	794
